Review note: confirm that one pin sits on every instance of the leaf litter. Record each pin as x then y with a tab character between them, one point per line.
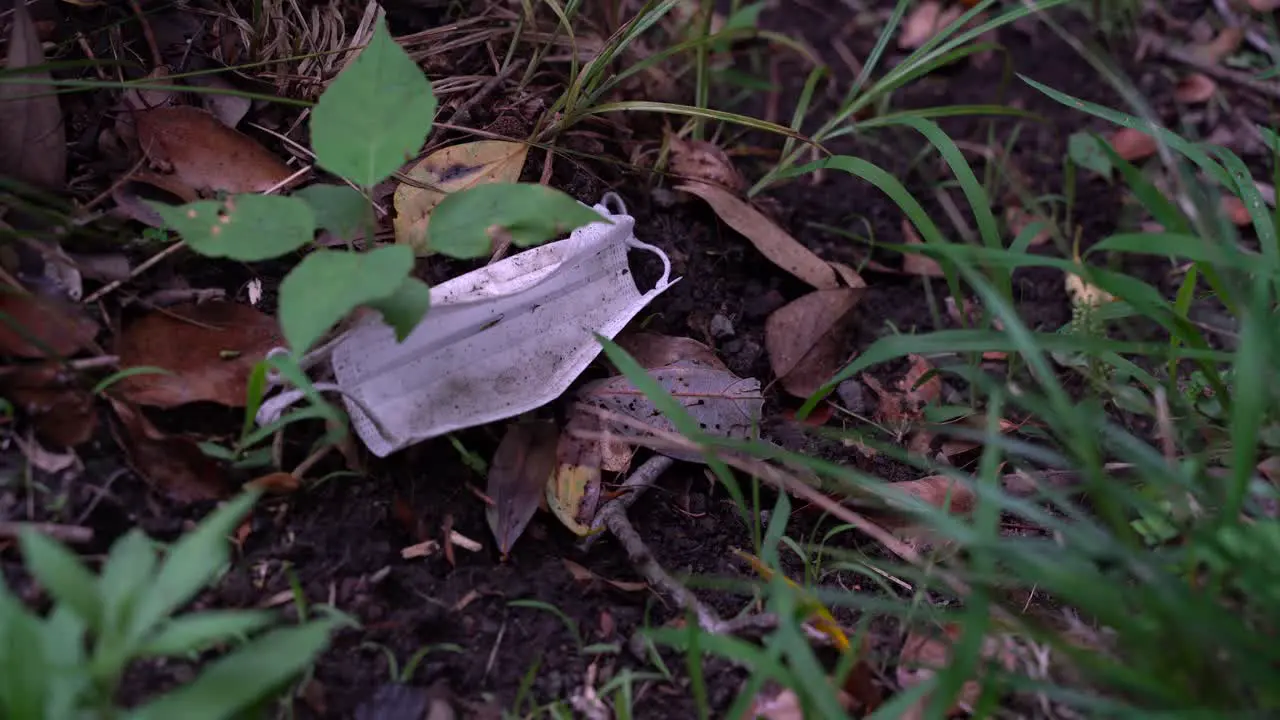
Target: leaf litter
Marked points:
203	155
33	146
206	352
173	465
518	474
805	339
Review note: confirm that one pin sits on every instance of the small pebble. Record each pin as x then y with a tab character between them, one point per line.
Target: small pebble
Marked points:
721	326
853	395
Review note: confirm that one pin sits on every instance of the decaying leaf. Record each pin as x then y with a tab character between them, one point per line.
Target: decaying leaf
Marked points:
774	242
722	403
916	263
924	654
573	495
278	483
170	464
817	614
1018	219
1132	144
940	491
228	107
901	407
1264	5
450	170
1236	211
652	350
925	21
586	577
204	155
33	147
921	385
705	162
61	411
805	338
34	327
518	473
1195	88
1226	43
208	351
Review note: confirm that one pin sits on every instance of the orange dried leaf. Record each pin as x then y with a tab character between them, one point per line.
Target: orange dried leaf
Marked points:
1226	43
915	263
279	483
1195	88
518	475
924	22
170	464
1132	144
61	412
31	326
940	491
653	350
804	338
921	385
208	351
705	162
205	155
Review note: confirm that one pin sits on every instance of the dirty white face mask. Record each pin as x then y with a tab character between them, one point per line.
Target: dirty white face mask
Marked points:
496	342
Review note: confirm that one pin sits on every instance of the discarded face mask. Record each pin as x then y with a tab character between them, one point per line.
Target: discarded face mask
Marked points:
496	342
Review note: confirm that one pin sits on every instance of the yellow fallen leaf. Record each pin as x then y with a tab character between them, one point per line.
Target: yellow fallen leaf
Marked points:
449	170
818	614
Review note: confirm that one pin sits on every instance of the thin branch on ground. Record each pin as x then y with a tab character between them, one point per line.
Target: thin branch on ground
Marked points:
65	533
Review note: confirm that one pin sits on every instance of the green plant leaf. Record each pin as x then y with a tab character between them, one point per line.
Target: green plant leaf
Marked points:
129	567
197	632
467	223
404	308
1085	150
191	563
62	575
375	115
25	682
242	227
328	284
340	209
236	681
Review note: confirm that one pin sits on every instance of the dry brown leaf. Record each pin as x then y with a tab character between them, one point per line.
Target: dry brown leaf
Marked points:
706	162
1225	44
918	390
209	350
1264	5
1270	469
923	655
850	276
146	99
203	154
1132	144
62	413
33	146
1236	211
171	464
518	476
653	350
229	108
450	170
925	21
774	242
804	338
278	483
940	491
586	577
915	263
1195	88
1018	219
30	326
574	493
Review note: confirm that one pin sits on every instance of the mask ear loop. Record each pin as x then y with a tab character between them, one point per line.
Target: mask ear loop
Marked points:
614	205
272	409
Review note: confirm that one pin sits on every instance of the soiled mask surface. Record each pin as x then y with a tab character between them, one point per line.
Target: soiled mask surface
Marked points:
496	342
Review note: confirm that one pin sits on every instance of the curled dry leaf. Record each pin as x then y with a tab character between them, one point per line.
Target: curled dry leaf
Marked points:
33	147
1264	5
705	162
450	170
208	351
940	491
1195	88
805	338
61	412
277	483
204	155
722	403
34	327
1132	144
774	242
1236	211
170	464
915	263
924	654
586	577
653	350
921	385
925	21
1018	219
573	495
518	474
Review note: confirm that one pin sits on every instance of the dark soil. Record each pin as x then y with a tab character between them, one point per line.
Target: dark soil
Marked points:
342	539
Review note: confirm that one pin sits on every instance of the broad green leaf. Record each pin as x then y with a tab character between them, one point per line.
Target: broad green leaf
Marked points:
404	308
242	227
468	223
24	673
62	575
375	115
236	681
340	209
328	284
197	632
64	652
1084	150
191	563
129	566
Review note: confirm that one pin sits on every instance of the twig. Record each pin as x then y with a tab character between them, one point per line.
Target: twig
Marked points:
639	481
66	533
1214	70
150	36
